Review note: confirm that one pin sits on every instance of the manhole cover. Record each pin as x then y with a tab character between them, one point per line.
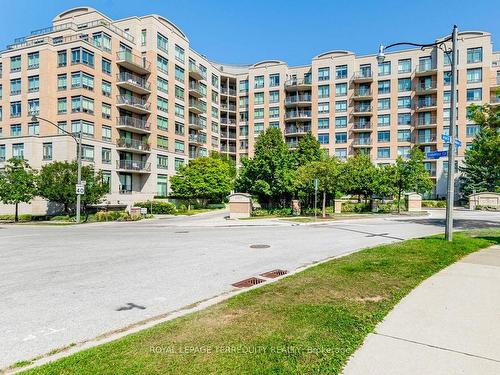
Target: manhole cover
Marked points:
259	246
274	273
248	282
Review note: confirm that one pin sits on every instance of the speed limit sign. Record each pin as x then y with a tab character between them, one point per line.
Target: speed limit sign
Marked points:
80	189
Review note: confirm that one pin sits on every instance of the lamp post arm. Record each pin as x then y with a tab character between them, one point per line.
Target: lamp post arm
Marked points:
422	45
58	127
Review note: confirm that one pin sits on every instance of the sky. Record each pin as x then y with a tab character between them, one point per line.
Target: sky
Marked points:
239	32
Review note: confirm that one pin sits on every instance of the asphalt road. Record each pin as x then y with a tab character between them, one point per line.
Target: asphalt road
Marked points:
66	284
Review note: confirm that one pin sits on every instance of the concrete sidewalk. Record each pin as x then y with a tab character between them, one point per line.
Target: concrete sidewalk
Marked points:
450	324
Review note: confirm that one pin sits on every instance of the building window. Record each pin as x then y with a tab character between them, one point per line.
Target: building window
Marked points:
474	55
384	136
384	68
404	135
179	128
341	106
178	163
243	85
15	109
341	72
15	63
258	113
162	104
341	137
15	130
179	110
383	120
258	98
179	92
404	84
162	64
404	151
474	95
143	37
33	128
259	82
274	80
179	54
62	82
106	66
323	108
162	123
62	106
324	139
215	81
384	87
106	155
384	104
179	73
341	89
15	86
323	91
82	56
162	142
82	104
341	153
474	75
162	42
404	66
106	133
102	41
179	147
162	85
274	96
86	127
18	151
340	122
471	130
258	128
62	58
106	88
162	162
2	152
82	80
88	153
323	123
274	112
404	102
404	118
161	185
383	152
324	74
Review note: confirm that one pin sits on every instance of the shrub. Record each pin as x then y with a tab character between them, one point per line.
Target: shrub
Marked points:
113	216
387	207
272	211
216	206
434	203
182	208
61	218
158	207
356	207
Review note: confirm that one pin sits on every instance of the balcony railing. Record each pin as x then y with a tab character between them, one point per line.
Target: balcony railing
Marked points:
193	86
429	102
195	70
228	91
133	79
298	98
225	148
298	82
132	144
133	59
425	67
425	86
362	141
362	125
362	108
298	114
424	139
228	135
423	121
195	104
133	101
362	74
228	121
196	138
297	129
132	122
133	165
229	107
362	92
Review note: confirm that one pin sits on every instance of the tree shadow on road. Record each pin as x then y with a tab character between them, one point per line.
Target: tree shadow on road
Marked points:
458	223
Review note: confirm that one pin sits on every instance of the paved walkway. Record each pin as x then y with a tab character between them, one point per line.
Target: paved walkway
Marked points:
450	325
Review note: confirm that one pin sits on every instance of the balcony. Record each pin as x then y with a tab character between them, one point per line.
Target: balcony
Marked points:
298	84
362	94
133	124
363	76
360	126
297	130
227	91
133	104
195	72
427	104
195	90
426	122
425	69
297	115
494	100
424	88
230	149
362	142
133	83
362	110
427	139
298	100
229	121
228	107
196	139
132	145
292	144
134	63
228	135
194	122
495	83
135	166
195	106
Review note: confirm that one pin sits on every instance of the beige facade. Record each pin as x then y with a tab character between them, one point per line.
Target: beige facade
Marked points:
146	102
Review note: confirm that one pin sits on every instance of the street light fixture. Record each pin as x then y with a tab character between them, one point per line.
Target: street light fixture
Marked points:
78	141
451	146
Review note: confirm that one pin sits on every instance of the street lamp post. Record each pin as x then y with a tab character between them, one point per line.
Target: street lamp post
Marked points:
451	146
78	141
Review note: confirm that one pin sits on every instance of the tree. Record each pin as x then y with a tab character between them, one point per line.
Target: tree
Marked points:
406	175
226	159
360	173
269	174
57	182
481	169
328	172
206	178
308	150
17	184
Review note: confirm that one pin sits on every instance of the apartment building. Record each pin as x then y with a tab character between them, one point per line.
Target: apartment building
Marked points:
146	102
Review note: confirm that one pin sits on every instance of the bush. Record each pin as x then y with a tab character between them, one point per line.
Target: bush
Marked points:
356	207
113	216
434	203
388	207
182	208
61	218
215	206
158	207
272	211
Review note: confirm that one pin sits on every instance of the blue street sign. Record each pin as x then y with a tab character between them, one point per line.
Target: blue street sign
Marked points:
445	138
458	143
436	154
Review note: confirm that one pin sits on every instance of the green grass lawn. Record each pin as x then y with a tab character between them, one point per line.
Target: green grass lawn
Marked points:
310	322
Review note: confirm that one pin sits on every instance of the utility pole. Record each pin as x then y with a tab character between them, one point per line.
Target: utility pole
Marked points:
79	182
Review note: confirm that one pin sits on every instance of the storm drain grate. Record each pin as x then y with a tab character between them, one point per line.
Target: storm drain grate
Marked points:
248	282
274	273
259	246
